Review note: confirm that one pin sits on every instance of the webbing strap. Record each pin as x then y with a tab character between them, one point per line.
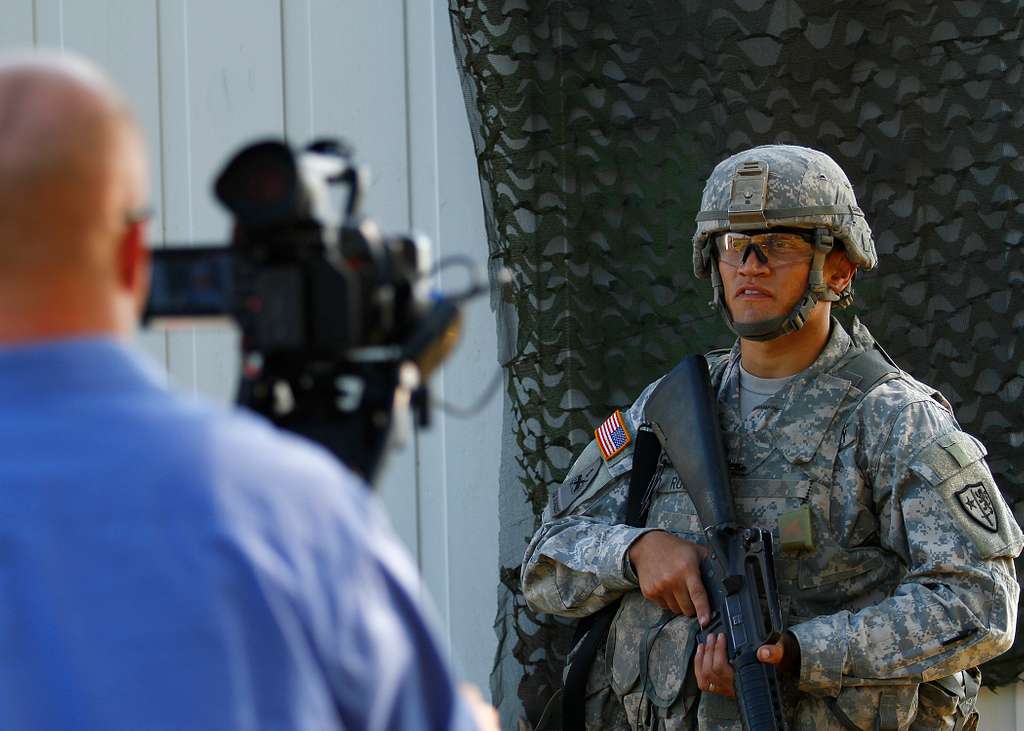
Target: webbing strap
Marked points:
789	213
591	631
888	713
887	718
868	368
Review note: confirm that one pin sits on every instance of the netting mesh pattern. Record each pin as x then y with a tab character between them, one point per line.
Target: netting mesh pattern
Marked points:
595	125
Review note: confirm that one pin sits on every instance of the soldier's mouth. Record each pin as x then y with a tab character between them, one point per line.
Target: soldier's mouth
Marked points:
747	292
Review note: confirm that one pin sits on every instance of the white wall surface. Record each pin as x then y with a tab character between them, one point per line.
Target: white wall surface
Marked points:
1002	709
207	76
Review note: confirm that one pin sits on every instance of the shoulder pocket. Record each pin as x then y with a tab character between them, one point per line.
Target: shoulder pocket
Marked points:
946	456
954	465
586	479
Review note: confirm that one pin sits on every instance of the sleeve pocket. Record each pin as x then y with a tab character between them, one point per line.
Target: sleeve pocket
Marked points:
954	465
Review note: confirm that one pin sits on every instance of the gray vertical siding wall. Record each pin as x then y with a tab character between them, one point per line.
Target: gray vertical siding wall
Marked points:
207	76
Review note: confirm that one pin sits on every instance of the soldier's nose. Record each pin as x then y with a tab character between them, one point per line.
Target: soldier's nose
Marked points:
756	262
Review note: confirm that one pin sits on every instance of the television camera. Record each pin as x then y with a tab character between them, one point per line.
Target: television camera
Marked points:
339	325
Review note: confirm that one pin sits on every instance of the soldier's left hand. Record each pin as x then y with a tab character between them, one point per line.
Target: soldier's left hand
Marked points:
712	668
715	674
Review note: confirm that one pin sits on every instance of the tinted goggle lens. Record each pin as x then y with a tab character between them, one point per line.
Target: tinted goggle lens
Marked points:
780	247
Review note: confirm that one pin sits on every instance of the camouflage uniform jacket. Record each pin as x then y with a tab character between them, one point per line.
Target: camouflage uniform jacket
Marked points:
908	579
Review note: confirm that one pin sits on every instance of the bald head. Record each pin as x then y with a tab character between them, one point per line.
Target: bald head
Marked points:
72	171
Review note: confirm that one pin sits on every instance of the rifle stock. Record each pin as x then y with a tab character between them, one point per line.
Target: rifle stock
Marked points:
738	573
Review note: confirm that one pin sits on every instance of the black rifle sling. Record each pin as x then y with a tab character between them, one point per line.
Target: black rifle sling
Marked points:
592	630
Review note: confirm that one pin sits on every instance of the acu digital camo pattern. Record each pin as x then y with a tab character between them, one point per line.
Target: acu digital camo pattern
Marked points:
798	177
596	126
903	584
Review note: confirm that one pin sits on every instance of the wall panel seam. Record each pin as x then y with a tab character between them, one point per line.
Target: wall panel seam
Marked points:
440	378
163	156
417	471
309	67
284	67
188	118
160	125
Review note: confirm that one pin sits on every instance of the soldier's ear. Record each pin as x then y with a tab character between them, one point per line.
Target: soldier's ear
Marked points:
839	270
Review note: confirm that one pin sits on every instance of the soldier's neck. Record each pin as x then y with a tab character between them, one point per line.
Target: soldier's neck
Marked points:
789	354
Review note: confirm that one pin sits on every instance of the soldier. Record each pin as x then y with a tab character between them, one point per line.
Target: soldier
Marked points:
896	568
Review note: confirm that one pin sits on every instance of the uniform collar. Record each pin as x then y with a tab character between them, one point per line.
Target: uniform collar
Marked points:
796	419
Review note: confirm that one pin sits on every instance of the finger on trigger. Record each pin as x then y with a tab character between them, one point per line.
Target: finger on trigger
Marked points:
698	597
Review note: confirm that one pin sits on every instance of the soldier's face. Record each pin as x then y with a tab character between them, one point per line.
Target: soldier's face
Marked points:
757	290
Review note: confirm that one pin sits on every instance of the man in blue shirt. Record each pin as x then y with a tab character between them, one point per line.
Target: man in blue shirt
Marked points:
165	563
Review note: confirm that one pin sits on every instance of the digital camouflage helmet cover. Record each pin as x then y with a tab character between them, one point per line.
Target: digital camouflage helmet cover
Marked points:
776	186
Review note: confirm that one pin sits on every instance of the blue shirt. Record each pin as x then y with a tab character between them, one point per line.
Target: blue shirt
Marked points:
167	564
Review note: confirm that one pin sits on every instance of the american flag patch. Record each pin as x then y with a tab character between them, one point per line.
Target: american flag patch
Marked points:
612	436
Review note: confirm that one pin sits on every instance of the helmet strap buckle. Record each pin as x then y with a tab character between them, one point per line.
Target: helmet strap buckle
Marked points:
823	245
718	289
823	240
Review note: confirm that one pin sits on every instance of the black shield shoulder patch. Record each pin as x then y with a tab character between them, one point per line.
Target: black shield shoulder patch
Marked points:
977	503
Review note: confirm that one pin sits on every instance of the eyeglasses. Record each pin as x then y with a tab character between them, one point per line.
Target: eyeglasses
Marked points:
773	247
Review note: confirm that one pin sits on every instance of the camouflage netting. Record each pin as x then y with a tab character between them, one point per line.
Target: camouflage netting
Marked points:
595	125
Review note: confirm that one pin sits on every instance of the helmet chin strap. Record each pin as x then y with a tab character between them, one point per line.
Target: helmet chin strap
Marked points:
775	327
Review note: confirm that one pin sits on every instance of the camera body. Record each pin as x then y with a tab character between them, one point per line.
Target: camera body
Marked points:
337	320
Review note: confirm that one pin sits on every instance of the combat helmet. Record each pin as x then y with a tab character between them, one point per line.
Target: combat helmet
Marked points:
782	186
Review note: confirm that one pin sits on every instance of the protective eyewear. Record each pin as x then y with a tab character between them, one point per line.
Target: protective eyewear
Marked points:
770	247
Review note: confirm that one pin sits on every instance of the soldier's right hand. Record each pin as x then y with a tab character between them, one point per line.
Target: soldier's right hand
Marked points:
668	568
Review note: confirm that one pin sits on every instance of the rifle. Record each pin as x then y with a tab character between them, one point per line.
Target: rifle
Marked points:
738	573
